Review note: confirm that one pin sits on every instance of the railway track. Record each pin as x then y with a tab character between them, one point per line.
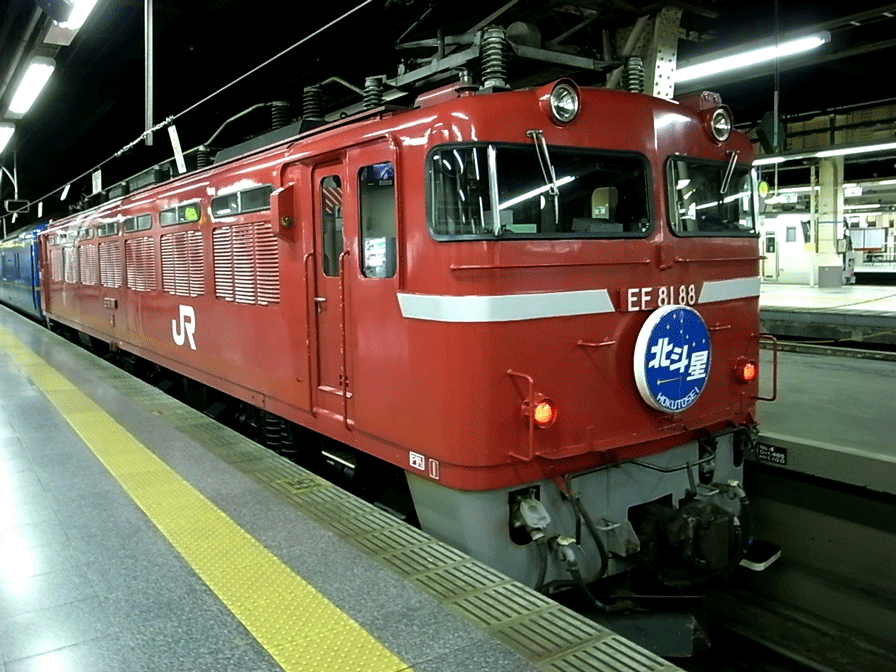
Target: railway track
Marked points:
829	603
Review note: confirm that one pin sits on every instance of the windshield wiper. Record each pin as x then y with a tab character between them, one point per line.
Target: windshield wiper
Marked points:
726	181
547	169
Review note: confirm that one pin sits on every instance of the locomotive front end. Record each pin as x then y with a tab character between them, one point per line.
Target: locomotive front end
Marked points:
600	296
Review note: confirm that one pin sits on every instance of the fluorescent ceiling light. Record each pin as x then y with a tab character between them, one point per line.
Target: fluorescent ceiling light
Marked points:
79	14
32	83
6	131
843	151
797	190
743	57
768	160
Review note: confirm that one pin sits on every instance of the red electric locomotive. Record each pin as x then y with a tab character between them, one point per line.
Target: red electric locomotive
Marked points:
541	304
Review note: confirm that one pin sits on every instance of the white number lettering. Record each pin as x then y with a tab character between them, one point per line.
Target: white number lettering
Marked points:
645	297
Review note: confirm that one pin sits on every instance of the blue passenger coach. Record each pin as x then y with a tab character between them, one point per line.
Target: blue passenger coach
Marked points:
20	271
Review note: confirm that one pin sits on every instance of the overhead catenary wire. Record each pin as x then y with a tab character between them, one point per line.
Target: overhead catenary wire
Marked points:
171	119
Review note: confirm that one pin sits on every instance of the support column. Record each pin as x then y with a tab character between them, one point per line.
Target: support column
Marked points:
827	224
656	42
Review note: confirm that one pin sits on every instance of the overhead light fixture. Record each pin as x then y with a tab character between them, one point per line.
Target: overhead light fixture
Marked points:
79	14
748	56
825	153
34	80
6	131
864	149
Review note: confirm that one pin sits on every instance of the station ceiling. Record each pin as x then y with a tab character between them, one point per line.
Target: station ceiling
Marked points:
93	105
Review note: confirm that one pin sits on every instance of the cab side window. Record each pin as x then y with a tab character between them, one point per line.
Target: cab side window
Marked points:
376	189
331	214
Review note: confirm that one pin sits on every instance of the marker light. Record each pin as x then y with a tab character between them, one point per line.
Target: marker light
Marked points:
545	414
564	102
720	124
745	371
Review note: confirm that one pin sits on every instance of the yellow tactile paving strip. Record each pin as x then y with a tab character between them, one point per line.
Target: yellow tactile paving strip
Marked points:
298	626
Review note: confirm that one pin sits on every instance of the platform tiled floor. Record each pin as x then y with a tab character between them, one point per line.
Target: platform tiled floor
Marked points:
88	583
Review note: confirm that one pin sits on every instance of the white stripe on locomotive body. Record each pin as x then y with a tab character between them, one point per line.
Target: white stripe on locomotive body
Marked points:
516	307
728	290
504	307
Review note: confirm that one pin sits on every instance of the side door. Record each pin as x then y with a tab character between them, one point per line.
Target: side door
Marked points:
332	379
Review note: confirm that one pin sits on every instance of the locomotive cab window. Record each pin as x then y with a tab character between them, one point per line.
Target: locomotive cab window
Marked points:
376	189
536	191
255	199
140	223
182	214
711	198
331	223
107	229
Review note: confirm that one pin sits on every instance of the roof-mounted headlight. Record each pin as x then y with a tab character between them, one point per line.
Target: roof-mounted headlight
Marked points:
720	124
564	102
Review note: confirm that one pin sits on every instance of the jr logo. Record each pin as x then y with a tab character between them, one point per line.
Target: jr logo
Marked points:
184	330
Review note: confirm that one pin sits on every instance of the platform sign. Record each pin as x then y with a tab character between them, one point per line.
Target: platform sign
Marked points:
672	358
772	455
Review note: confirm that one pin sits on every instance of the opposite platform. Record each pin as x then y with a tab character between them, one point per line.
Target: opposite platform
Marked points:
851	312
180	563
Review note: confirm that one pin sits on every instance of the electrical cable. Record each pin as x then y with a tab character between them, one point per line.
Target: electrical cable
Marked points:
169	120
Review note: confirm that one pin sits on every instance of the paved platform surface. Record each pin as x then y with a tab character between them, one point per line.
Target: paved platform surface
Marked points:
137	534
847	299
834	415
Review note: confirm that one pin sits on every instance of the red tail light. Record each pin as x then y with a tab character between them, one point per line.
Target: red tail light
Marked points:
745	371
545	414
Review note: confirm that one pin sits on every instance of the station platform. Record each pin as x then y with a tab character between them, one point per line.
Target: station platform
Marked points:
833	418
137	534
852	312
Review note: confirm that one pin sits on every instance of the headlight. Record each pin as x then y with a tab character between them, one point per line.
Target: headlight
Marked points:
564	103
720	124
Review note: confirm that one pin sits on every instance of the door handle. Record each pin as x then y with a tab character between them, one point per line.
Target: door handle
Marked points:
319	302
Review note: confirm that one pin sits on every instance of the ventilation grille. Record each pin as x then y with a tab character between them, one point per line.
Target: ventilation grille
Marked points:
141	265
56	264
182	270
246	265
70	261
87	258
110	265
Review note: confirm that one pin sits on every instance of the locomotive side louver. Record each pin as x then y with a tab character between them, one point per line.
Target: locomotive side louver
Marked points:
140	263
182	264
87	258
110	265
56	264
246	265
70	263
